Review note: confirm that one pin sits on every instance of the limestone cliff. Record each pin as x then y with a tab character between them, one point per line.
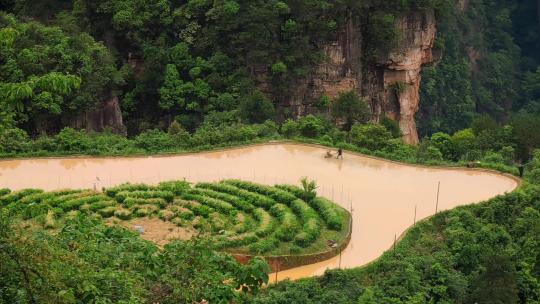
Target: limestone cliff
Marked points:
107	115
391	85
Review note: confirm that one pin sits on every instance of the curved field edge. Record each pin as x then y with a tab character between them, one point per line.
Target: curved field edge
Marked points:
240	217
487	167
428	259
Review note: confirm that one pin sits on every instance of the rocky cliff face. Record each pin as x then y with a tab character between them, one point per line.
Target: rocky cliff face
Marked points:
107	115
391	85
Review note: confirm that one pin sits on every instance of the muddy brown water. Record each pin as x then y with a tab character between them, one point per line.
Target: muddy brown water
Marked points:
383	195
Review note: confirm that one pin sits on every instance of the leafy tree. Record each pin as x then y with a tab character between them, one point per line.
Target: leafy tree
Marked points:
311	126
256	108
289	128
496	283
524	132
172	90
349	108
370	136
463	143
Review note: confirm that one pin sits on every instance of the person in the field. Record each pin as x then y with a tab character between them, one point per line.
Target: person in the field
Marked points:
339	153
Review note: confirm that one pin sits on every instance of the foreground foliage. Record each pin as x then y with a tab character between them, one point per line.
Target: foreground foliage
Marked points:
89	262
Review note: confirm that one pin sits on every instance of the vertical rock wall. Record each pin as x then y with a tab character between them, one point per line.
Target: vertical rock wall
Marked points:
107	115
390	85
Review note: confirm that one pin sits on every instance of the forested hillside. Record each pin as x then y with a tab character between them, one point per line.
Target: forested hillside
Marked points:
151	62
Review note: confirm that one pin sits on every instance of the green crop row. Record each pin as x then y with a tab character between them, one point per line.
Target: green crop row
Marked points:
176	187
311	229
263	245
217	204
127	187
57	200
276	194
145	210
236	241
329	212
253	198
166	195
4	191
129	202
16	196
40	197
78	202
298	192
266	222
231	199
288	222
196	207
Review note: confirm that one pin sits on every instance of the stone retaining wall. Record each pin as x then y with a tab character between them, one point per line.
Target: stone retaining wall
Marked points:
285	262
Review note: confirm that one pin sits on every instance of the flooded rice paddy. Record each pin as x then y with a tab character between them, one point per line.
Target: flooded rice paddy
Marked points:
383	195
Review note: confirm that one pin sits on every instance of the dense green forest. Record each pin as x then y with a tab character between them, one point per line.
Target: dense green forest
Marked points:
198	63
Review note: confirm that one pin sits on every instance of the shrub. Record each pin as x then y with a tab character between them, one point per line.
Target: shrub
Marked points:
234	200
236	241
195	207
71	140
289	128
350	108
186	214
266	222
256	108
263	245
288	227
107	211
463	141
4	191
217	204
217	221
15	196
370	136
127	187
33	210
155	141
392	126
78	202
176	187
310	228
166	215
250	197
145	210
276	194
165	195
310	232
13	141
122	213
101	204
311	126
56	201
329	212
130	202
297	191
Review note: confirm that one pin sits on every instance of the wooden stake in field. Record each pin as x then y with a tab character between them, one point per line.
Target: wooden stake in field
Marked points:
276	265
437	204
415	206
340	250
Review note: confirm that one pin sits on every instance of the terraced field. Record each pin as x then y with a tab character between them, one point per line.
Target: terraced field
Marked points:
241	217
